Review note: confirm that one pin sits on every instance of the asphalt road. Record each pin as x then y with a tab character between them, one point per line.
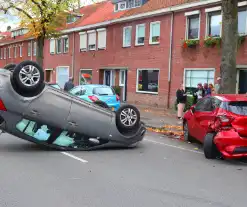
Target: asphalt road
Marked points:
159	172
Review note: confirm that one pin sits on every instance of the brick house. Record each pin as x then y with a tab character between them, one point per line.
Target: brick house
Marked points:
136	44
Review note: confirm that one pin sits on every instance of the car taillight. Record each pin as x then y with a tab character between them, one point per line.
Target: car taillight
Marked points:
93	98
118	98
224	122
2	107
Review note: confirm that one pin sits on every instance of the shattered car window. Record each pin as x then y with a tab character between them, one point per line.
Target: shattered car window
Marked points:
103	91
236	107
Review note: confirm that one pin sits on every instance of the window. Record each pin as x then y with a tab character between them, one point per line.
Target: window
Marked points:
101	38
107	91
20	50
204	105
127	33
91	40
122	74
147	80
4	53
65	44
9	51
71	19
85	76
193	77
121	6
127	4
154	33
193	27
34	48
29	49
83	41
1	54
242	17
59	46
15	51
214	24
52	46
140	34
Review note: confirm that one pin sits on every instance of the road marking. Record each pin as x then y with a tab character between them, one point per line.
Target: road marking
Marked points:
174	146
74	157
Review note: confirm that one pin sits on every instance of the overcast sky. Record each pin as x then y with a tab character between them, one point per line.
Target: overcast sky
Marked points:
14	21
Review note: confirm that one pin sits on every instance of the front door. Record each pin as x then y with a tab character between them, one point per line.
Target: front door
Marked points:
109	77
122	83
242	87
62	76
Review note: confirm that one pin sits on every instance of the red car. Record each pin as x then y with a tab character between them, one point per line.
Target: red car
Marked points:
220	123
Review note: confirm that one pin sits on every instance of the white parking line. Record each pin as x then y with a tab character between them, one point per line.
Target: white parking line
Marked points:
174	146
74	157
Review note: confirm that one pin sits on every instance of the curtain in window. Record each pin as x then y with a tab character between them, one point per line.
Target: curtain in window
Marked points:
127	36
141	31
242	15
156	30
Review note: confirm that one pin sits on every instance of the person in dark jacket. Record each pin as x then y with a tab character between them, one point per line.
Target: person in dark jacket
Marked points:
181	100
207	90
69	84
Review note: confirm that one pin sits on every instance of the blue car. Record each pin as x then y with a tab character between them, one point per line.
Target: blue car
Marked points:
102	95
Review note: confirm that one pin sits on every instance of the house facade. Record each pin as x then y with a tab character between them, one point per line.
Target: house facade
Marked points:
139	46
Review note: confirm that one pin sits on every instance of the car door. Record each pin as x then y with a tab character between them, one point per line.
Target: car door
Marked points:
89	119
203	114
52	107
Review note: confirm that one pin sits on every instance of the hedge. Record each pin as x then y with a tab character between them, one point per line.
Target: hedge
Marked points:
189	103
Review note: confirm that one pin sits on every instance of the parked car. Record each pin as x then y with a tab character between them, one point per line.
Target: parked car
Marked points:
220	123
32	110
101	95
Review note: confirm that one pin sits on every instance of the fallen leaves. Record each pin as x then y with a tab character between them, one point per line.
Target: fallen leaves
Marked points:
169	130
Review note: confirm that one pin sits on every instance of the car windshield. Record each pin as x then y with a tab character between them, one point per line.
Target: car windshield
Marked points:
103	91
236	107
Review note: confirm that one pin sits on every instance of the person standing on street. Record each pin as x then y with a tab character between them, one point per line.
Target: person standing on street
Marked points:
69	84
217	85
181	100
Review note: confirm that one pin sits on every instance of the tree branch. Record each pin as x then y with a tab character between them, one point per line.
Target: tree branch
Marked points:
38	5
20	10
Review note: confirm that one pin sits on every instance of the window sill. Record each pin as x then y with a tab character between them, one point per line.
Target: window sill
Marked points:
103	48
142	44
147	92
193	39
126	46
154	43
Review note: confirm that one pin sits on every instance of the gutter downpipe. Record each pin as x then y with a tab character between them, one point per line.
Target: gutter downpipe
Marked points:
73	55
170	60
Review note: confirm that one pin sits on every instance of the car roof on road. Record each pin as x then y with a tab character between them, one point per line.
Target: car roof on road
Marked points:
232	97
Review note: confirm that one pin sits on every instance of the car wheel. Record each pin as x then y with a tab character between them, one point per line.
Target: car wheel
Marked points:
10	67
28	78
101	104
128	117
187	136
210	149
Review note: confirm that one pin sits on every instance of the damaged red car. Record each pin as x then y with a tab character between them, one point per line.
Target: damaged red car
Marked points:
220	123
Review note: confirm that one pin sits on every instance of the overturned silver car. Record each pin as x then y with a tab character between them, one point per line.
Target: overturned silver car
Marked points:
32	110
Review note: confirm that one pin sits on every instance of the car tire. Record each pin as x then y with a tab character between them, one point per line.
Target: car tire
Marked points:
187	136
101	104
28	78
10	67
209	147
127	117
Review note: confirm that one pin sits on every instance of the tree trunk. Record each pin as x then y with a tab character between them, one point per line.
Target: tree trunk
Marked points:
40	50
229	46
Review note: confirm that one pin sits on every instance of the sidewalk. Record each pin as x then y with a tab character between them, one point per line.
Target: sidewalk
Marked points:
161	121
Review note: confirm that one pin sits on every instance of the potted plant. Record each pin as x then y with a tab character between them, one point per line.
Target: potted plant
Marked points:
189	43
210	41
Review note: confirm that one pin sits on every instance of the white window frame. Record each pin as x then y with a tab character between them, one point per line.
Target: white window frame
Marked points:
61	67
57	52
188	15
20	48
136	36
52	46
83	70
83	49
1	54
122	2
4	53
243	5
124	37
91	32
202	69
64	38
113	77
137	83
100	31
151	35
15	51
9	52
34	48
212	10
29	49
120	77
